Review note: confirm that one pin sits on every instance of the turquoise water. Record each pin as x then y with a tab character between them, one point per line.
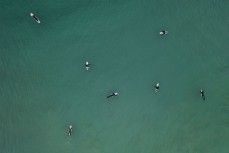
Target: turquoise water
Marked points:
44	85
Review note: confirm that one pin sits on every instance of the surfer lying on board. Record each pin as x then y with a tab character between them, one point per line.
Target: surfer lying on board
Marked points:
202	94
70	130
87	65
156	87
163	32
113	94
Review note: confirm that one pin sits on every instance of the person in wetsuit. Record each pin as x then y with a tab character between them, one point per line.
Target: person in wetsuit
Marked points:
157	87
202	94
70	130
113	94
87	65
163	32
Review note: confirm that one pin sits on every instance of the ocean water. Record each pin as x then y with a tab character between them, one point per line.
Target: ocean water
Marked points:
44	86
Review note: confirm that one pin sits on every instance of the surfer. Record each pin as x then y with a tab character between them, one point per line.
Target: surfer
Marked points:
35	18
202	94
163	32
70	130
87	65
113	94
156	87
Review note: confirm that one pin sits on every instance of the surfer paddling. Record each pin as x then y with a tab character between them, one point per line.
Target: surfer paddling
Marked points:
87	65
163	32
156	87
70	130
35	18
113	94
202	94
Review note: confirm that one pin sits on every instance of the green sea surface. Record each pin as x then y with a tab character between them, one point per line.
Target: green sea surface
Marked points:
44	86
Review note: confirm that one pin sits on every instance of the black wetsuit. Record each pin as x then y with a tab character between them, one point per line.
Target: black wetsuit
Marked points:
87	65
156	87
69	131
